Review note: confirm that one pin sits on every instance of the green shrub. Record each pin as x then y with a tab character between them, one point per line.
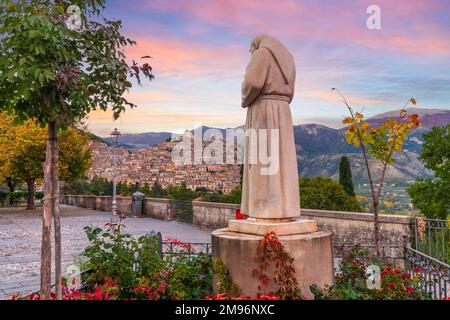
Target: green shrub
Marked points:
350	283
315	193
4	198
17	197
432	196
233	197
156	191
39	196
98	186
326	194
181	192
138	263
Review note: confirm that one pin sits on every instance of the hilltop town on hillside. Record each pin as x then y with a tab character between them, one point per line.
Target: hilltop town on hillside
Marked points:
154	164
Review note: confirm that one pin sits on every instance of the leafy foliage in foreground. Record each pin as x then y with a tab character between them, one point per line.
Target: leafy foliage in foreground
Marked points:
350	283
123	268
53	73
225	283
178	273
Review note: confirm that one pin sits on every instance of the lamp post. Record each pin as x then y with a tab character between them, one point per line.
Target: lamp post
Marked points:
115	140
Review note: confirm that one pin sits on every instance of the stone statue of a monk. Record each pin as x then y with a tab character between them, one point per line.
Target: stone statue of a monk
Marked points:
267	90
272	200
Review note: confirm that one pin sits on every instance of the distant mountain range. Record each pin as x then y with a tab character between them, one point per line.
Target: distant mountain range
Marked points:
319	148
139	140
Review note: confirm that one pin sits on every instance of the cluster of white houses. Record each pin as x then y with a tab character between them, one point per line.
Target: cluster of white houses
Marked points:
154	164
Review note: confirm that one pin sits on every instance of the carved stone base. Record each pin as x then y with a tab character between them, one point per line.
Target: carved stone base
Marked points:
258	227
312	253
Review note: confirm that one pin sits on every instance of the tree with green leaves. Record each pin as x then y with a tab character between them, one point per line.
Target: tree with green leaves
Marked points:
59	60
381	143
23	153
233	197
145	188
100	187
97	186
326	194
345	176
6	155
432	196
181	192
157	191
124	188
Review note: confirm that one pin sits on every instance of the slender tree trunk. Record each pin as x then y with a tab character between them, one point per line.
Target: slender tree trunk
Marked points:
31	193
376	200
376	227
46	245
11	186
376	222
55	211
51	209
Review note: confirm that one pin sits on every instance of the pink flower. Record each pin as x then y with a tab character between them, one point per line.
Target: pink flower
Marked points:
269	296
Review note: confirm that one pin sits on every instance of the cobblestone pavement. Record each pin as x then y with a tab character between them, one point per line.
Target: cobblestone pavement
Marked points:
20	238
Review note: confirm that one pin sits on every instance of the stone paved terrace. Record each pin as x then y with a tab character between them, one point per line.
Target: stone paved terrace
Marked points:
20	237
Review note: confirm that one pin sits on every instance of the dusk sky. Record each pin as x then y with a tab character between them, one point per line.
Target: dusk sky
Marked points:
200	49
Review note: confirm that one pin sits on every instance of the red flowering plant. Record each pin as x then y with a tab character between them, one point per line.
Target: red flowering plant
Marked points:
240	215
113	254
397	284
227	296
139	269
144	292
108	291
176	246
143	268
351	282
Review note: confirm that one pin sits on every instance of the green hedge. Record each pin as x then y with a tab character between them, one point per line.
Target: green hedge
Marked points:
14	199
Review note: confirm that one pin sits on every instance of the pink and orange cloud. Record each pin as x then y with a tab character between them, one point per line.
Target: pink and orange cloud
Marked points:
200	48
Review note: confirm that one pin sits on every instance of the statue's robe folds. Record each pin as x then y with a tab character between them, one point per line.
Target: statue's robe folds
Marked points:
267	90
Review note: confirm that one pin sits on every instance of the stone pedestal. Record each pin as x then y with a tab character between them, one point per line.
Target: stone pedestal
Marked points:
261	227
237	245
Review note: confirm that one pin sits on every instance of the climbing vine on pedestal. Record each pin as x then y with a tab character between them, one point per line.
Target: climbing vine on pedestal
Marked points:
271	251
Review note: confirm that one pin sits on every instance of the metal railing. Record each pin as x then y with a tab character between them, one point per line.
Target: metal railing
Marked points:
434	274
432	237
391	254
181	211
189	248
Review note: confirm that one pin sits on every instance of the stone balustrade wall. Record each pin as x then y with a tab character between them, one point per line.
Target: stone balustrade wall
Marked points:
347	227
158	208
155	208
211	215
